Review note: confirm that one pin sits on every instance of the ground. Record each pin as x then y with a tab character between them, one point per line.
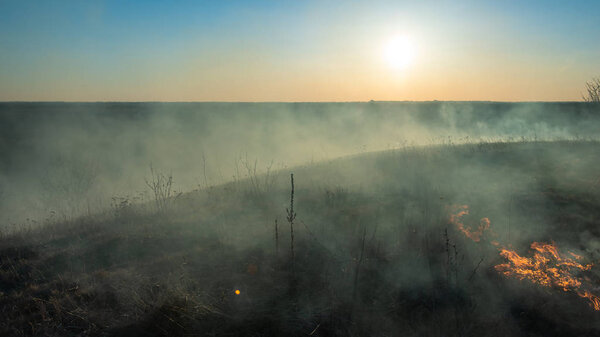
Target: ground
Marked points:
375	252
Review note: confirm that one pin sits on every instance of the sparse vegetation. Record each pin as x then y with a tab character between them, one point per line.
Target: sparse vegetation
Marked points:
381	261
161	186
593	91
258	183
291	216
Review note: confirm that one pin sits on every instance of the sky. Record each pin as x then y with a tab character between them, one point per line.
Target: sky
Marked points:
297	50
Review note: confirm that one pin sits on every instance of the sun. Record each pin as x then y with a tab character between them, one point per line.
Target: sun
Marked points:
399	52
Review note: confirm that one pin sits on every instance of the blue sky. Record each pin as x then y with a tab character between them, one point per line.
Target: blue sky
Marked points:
295	50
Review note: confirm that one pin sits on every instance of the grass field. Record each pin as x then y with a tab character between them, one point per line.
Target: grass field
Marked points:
376	252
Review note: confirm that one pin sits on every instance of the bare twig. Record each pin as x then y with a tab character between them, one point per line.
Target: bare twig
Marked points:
204	170
276	238
314	330
475	270
447	256
358	263
593	91
291	216
161	187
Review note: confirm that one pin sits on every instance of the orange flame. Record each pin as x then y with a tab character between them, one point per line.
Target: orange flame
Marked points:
595	300
546	267
456	219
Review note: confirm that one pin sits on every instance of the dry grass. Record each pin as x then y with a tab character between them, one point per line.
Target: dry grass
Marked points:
371	261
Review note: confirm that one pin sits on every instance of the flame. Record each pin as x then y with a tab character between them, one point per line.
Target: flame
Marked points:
578	257
547	267
456	219
595	300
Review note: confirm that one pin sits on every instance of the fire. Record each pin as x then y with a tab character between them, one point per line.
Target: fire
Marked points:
578	257
595	300
456	218
547	267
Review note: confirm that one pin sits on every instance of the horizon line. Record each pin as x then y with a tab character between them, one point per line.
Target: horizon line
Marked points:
308	102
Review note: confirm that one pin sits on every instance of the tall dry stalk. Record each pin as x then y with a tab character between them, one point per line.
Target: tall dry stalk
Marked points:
260	184
204	170
161	186
447	256
291	216
276	238
358	263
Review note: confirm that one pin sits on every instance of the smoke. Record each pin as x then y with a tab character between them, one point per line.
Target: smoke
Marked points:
66	159
403	211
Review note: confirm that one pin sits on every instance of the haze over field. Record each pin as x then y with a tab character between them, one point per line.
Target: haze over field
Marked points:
69	159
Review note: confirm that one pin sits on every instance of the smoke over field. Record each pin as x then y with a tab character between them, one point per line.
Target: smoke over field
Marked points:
400	219
64	160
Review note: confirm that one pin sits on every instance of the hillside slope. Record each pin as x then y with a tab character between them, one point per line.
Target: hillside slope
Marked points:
380	248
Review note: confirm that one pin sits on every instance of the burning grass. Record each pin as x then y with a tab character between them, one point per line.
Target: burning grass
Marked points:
456	218
376	262
546	266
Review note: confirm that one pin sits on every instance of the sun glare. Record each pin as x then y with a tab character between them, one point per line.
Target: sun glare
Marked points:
399	52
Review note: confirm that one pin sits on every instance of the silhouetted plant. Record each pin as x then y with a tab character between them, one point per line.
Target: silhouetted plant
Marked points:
276	238
358	263
291	216
593	91
259	183
120	205
161	186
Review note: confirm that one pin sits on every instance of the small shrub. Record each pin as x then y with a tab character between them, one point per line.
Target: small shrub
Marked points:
161	186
